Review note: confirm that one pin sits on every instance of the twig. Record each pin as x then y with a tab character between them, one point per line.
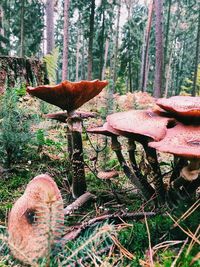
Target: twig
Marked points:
78	228
79	202
149	238
180	251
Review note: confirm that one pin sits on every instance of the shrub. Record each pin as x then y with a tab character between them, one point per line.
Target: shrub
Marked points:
14	129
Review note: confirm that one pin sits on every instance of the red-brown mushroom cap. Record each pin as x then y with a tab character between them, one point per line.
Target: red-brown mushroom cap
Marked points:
106	129
182	140
188	106
68	95
139	123
107	175
37	211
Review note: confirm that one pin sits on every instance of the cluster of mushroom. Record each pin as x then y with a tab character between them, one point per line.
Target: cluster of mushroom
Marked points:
173	127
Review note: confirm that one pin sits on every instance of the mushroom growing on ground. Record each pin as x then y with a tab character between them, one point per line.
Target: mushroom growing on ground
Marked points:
70	96
143	126
135	177
36	220
182	141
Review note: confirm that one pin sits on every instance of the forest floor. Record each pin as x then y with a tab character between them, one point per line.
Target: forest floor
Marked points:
147	241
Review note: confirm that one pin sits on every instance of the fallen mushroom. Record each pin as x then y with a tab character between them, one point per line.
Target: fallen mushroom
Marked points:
143	126
36	220
70	96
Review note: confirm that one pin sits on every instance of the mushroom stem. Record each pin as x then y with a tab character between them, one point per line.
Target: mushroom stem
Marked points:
153	162
78	181
179	164
116	146
147	188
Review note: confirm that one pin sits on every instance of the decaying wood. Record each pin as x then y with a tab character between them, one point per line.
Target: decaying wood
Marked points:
16	69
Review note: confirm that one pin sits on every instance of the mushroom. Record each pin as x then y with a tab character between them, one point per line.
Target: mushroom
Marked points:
143	126
36	220
186	108
70	96
135	177
182	141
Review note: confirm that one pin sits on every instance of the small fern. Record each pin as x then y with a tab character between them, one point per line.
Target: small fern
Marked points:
51	61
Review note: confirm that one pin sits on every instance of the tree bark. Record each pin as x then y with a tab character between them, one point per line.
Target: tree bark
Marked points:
105	59
101	45
167	34
91	37
2	45
77	51
65	40
159	48
146	50
196	57
50	25
116	47
22	29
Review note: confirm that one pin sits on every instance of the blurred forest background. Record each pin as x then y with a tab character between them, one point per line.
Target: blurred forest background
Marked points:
137	45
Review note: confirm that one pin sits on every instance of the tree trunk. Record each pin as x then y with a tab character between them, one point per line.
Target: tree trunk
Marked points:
196	58
167	34
91	37
50	25
83	59
2	44
101	46
159	48
116	47
65	40
105	59
146	50
77	54
22	30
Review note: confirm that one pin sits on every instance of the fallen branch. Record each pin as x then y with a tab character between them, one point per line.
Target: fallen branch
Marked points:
77	229
79	202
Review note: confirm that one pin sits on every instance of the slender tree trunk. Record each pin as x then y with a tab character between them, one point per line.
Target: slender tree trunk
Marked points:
167	33
105	58
101	45
1	26
91	37
22	30
196	57
65	40
146	50
50	25
116	47
159	49
77	51
83	59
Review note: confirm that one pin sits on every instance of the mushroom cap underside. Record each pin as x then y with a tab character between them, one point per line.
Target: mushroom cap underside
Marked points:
106	129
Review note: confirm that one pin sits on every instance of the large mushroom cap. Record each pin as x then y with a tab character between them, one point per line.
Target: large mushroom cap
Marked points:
139	122
106	129
182	140
36	220
188	106
68	95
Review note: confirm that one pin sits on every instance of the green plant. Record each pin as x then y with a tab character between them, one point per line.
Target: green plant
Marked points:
14	129
51	61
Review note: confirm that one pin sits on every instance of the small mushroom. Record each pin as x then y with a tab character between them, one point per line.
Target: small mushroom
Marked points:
107	175
36	220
